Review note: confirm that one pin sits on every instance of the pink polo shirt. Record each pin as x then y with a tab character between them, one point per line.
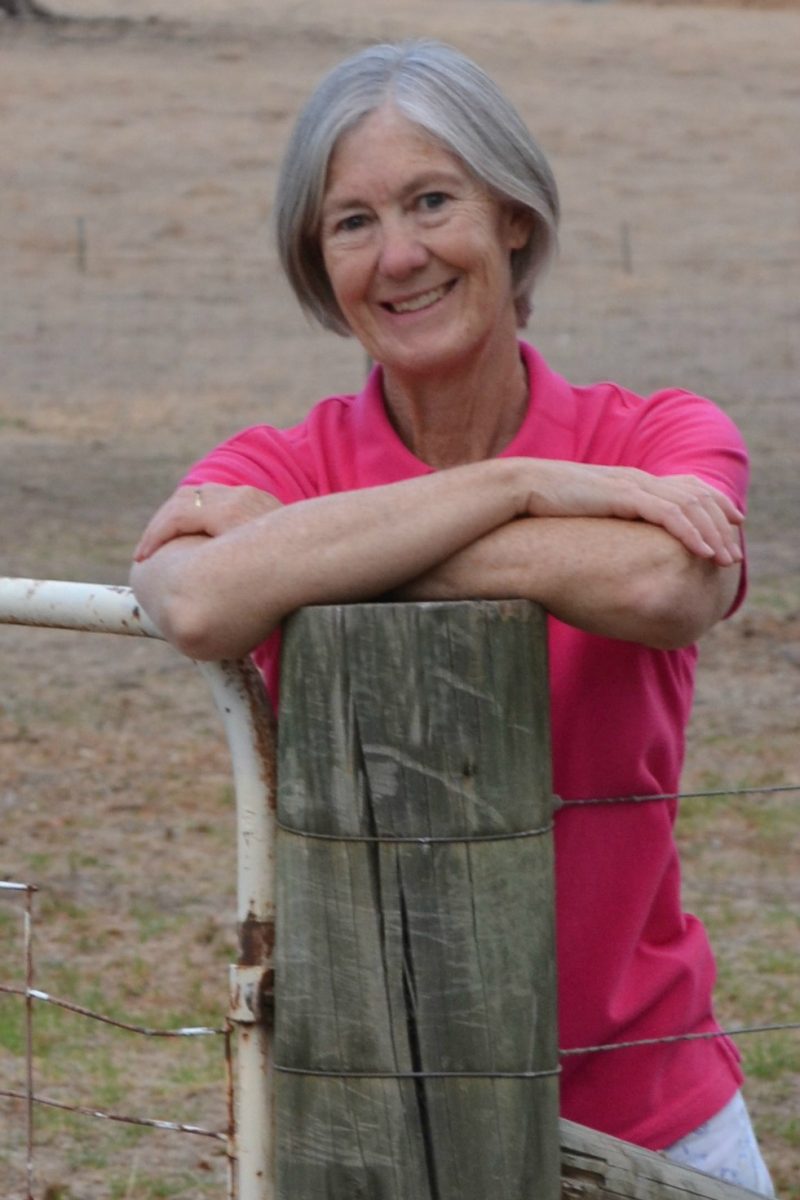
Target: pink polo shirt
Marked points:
632	963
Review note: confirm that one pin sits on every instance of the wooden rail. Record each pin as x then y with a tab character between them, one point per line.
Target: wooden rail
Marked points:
595	1166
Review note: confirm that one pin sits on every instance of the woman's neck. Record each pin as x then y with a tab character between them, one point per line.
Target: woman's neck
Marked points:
459	416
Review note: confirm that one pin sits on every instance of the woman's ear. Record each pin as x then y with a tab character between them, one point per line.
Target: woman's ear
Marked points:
519	225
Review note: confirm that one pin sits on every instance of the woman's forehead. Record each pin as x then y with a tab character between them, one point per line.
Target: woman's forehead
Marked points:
386	147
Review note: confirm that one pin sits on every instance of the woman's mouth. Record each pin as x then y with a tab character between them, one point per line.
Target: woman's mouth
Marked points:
424	300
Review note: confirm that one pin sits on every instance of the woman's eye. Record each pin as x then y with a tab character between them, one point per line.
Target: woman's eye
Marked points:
352	223
432	201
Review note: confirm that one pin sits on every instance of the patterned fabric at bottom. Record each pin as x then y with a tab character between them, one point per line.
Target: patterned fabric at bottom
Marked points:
726	1147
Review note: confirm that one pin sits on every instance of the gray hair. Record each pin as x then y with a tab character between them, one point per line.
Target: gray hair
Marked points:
452	99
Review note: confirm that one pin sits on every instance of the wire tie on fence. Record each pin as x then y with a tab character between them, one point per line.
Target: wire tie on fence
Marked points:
558	805
36	994
391	840
313	1071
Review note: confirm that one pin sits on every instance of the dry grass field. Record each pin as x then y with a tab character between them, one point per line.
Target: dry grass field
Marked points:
143	320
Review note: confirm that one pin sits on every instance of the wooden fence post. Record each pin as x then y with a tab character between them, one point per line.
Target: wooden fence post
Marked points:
416	1046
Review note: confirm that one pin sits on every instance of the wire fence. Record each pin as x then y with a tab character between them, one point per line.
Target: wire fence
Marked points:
28	1097
31	996
719	321
705	794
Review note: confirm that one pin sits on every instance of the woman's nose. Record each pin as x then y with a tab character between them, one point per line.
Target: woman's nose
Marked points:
401	251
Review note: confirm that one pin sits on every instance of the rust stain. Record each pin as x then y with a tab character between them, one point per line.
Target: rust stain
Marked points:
232	1150
264	729
256	946
266	998
256	941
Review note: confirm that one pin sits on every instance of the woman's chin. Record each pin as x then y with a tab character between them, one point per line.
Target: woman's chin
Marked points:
421	360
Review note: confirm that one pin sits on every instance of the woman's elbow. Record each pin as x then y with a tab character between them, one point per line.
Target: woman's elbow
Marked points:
188	617
188	627
676	613
673	631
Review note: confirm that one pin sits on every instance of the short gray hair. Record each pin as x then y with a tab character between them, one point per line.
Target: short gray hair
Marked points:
453	100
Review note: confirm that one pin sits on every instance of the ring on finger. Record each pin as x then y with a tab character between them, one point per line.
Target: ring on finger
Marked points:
198	498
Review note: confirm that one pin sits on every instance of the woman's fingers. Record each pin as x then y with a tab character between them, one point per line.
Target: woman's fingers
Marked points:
208	510
699	516
178	516
703	519
702	531
709	519
717	529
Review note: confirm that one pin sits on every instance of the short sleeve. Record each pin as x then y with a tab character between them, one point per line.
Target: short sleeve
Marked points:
260	457
678	433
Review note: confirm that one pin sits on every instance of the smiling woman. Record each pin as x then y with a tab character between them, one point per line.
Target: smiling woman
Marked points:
414	212
462	111
417	254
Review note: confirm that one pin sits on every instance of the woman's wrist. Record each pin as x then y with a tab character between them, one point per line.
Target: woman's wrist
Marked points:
515	479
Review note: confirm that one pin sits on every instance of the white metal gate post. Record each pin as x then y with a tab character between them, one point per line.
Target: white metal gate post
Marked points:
239	696
241	702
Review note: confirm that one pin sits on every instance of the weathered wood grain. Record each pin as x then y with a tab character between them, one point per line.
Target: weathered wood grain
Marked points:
598	1167
416	721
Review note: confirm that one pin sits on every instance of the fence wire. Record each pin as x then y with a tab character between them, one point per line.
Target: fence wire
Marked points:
668	1039
183	325
32	996
30	1098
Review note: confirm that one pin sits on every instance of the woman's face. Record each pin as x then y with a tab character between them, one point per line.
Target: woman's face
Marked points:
416	249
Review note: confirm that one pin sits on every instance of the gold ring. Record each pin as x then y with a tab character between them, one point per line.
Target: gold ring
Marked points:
198	498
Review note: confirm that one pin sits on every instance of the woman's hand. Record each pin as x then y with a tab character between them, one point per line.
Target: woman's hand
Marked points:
699	516
207	510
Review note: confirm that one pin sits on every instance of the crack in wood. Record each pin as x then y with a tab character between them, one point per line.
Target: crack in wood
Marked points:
417	1062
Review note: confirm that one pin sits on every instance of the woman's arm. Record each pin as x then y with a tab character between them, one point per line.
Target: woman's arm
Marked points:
620	579
221	595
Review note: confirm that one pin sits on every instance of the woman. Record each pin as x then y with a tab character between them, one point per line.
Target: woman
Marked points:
414	212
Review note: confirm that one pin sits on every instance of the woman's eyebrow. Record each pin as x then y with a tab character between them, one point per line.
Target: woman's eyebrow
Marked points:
331	207
432	180
423	181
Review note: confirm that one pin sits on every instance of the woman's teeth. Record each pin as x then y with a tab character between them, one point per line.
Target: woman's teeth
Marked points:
423	301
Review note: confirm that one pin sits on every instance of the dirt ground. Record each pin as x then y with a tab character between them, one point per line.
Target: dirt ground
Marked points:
143	320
